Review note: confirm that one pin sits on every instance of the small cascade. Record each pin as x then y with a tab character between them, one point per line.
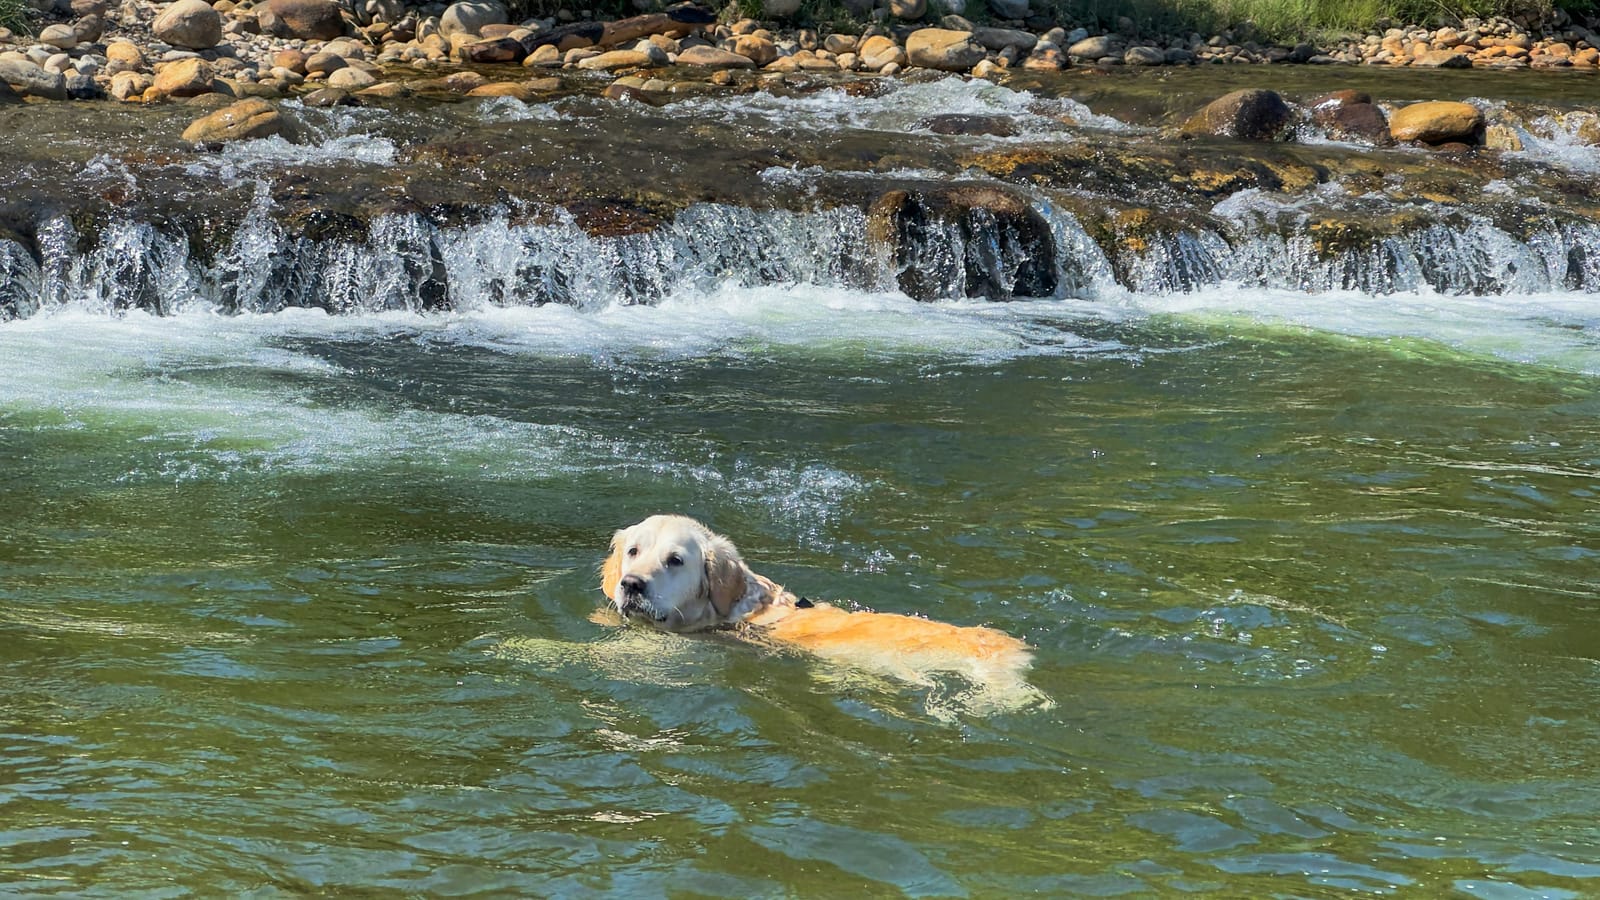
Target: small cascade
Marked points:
405	261
1467	255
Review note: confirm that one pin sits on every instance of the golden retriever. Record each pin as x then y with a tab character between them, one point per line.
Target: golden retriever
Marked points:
674	574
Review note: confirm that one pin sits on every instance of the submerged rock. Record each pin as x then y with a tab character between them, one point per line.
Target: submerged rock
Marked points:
962	123
964	241
1251	115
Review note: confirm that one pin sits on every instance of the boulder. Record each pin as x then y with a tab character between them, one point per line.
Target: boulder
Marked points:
8	95
1001	38
1253	114
713	58
498	50
61	37
1091	47
30	80
619	59
964	241
308	20
939	48
1442	59
757	49
350	79
185	78
470	16
1438	122
189	23
1351	115
89	29
1144	56
252	118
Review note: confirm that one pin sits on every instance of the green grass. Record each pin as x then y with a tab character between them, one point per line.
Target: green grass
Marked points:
1286	20
14	15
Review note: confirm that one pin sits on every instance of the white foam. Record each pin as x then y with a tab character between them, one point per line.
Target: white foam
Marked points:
1553	330
903	107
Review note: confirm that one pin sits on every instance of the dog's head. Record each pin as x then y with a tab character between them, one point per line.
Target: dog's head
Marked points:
674	574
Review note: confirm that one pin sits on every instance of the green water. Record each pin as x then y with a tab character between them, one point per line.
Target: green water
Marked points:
293	609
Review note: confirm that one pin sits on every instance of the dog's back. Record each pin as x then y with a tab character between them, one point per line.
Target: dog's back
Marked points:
914	650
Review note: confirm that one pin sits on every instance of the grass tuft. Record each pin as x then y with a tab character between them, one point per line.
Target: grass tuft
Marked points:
14	15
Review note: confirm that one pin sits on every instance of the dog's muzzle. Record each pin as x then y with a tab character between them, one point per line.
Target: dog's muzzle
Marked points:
633	598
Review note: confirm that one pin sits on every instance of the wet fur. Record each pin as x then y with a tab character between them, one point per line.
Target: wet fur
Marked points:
728	595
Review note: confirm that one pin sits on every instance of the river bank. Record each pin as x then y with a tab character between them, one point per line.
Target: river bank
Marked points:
144	52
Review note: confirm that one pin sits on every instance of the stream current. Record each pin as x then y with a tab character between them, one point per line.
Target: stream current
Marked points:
294	591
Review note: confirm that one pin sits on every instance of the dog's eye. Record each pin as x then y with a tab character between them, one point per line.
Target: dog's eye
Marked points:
632	552
674	560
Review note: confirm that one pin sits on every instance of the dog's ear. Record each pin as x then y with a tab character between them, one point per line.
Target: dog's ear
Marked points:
611	569
725	579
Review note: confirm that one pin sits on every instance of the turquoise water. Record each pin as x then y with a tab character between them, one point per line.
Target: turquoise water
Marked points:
294	604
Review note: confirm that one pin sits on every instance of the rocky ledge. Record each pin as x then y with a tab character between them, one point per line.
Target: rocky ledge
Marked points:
142	51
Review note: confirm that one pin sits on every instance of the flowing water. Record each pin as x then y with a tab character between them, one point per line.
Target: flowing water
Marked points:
296	600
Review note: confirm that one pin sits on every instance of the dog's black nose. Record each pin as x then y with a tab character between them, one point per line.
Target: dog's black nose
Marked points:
633	586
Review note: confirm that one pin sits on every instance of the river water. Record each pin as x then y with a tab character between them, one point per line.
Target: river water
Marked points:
297	603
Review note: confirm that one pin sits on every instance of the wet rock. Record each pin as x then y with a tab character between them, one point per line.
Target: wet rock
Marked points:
713	58
964	240
1502	137
246	119
1351	115
1438	122
958	123
503	89
189	23
1091	48
31	80
498	50
8	95
1144	56
1442	59
619	59
329	97
567	37
469	17
308	20
1252	115
940	48
185	78
631	93
351	79
321	63
1000	38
